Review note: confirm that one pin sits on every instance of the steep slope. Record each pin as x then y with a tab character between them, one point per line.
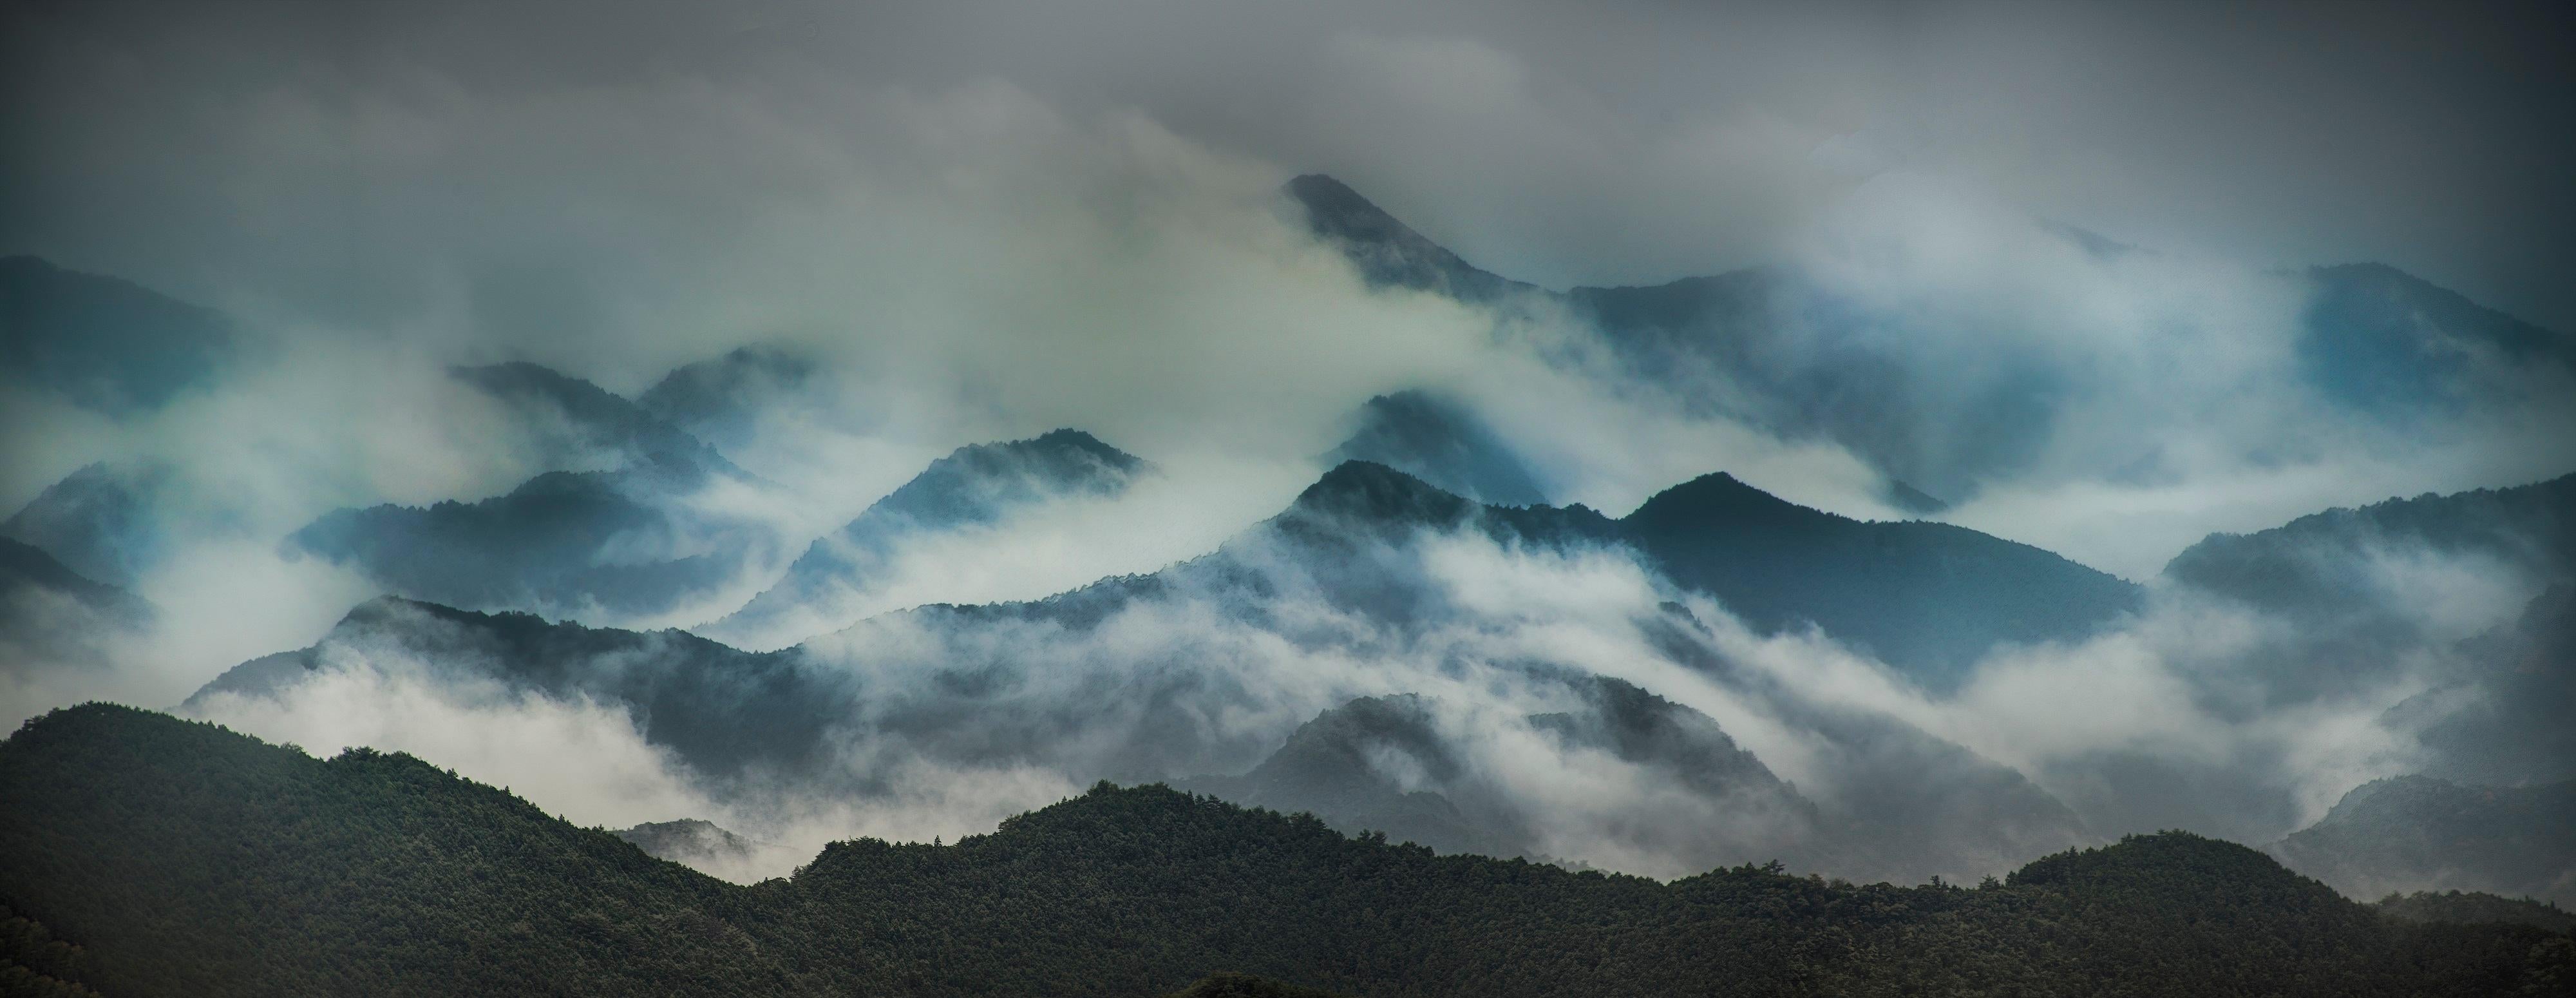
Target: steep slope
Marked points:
1388	252
2415	833
103	343
1442	443
189	860
974	486
626	541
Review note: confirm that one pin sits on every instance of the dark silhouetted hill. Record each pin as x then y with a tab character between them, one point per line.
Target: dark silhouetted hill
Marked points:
188	860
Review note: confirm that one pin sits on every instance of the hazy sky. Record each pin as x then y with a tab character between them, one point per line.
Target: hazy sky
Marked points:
1560	143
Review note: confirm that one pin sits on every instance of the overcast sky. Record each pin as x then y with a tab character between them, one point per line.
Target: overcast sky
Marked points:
1555	143
1559	143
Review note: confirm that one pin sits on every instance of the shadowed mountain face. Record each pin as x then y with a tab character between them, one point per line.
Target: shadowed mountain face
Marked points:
628	541
975	486
191	860
105	344
716	399
2416	832
1441	443
721	711
1388	252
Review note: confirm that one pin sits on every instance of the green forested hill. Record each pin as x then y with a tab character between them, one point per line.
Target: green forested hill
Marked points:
188	860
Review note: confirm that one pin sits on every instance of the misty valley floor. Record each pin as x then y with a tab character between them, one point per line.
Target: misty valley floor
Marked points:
184	859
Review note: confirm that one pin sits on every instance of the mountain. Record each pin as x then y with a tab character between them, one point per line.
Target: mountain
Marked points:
716	399
103	343
2416	832
1121	680
1385	764
1441	442
595	419
722	711
52	618
2358	582
1388	252
186	859
1781	349
2393	346
1928	598
99	520
980	485
627	541
2319	565
26	569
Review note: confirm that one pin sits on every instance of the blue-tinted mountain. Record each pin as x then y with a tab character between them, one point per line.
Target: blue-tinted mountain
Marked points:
623	541
2419	833
716	399
1339	573
52	618
2341	576
1388	252
26	568
1771	347
2317	564
978	485
599	419
100	521
2387	344
104	343
189	860
1441	442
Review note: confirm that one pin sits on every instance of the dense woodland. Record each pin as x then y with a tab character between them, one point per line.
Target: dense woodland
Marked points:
183	859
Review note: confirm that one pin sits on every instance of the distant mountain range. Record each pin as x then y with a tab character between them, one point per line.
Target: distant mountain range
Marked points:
1348	543
2415	833
1777	348
627	541
185	859
104	344
980	485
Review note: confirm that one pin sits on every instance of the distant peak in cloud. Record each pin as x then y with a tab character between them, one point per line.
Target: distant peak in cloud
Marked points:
1388	252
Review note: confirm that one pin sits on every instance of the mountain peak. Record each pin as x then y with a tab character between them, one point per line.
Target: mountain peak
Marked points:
1721	495
1388	252
1367	490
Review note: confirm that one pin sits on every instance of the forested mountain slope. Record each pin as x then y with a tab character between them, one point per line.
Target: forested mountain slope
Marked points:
189	860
